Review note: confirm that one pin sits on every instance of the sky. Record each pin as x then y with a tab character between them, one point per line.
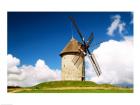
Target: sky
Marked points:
43	35
35	40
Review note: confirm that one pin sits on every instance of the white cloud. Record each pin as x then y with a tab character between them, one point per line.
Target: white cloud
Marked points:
116	24
29	75
116	62
121	27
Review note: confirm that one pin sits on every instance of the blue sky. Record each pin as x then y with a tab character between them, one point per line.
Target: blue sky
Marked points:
42	35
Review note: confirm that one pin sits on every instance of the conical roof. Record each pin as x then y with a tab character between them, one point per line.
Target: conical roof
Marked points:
72	47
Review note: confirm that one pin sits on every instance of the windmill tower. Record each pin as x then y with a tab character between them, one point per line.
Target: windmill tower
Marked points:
73	65
72	61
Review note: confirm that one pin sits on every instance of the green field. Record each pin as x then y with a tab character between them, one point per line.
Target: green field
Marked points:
71	87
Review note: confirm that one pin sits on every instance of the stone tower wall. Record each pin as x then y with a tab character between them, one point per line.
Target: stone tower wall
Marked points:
71	71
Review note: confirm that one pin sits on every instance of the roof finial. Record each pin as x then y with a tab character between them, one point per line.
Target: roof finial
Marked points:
72	32
72	37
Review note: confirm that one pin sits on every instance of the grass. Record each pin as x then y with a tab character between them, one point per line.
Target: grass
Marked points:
71	87
55	84
76	91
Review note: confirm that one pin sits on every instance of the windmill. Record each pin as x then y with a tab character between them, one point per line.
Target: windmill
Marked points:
73	62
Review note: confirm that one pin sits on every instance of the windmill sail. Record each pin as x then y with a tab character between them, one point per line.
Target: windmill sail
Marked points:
77	29
90	39
95	64
85	49
77	60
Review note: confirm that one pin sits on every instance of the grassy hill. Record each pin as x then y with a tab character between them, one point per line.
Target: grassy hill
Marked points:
71	87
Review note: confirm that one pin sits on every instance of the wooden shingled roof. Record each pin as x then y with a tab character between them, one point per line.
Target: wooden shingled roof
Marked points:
73	46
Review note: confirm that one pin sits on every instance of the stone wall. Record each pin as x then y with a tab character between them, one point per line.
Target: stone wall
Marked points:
69	70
